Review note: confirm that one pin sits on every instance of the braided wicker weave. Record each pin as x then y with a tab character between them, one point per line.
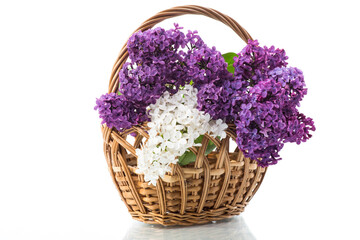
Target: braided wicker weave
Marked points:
216	186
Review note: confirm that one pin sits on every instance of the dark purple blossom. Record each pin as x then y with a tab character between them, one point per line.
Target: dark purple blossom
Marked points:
255	62
165	60
267	116
117	112
156	46
208	71
206	65
157	64
298	128
216	100
141	85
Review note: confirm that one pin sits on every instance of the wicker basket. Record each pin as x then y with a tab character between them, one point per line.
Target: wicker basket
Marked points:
215	187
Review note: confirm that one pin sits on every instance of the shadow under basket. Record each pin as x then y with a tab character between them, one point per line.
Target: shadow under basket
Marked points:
216	186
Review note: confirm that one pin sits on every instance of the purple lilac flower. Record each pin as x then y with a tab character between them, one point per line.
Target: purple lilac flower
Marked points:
208	70
156	65
206	65
164	60
292	80
141	85
216	100
213	81
156	46
160	63
117	112
223	93
259	125
255	62
268	116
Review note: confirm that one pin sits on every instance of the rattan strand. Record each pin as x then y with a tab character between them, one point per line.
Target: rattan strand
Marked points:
215	187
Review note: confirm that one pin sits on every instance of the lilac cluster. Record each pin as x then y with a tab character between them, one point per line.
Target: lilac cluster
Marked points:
261	99
164	60
155	67
267	120
215	99
222	99
205	66
264	107
254	63
213	80
118	112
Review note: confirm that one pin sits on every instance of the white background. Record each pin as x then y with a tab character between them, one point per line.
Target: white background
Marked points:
56	58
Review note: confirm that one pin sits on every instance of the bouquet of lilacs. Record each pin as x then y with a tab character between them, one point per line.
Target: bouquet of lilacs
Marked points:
184	89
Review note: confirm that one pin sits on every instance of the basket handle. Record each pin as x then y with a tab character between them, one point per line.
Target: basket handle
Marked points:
169	13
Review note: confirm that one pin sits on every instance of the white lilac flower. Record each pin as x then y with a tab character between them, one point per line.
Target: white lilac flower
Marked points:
175	124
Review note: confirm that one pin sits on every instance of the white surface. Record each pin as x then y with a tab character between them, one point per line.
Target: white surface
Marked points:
233	229
56	57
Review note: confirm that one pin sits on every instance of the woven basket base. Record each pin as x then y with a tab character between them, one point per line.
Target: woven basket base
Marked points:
187	219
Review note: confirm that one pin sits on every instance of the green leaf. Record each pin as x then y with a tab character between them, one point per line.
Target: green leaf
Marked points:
189	157
199	139
229	59
186	158
210	147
